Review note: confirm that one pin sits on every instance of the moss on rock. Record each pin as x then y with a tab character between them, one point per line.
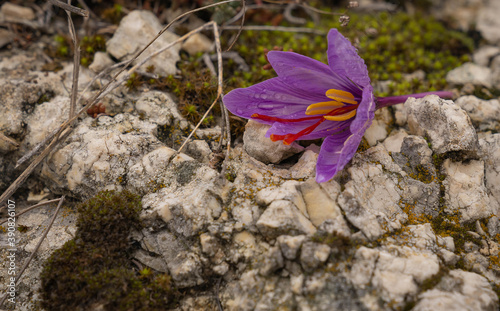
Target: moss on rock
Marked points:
93	270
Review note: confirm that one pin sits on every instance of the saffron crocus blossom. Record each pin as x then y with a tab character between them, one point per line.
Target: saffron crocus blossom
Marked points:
310	100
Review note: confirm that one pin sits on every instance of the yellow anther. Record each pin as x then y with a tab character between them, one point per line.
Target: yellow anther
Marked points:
341	96
323	107
341	117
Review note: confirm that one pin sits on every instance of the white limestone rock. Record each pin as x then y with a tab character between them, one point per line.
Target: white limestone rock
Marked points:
197	43
321	205
306	166
136	30
262	148
394	273
395	140
447	126
466	192
283	217
485	54
186	270
158	107
495	72
490	153
458	290
370	199
312	255
44	119
484	114
98	155
101	62
376	132
14	11
290	245
470	73
488	22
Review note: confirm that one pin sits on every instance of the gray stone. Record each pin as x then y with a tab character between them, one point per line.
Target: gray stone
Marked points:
485	114
493	226
321	205
197	43
158	107
98	156
186	270
495	67
306	166
394	141
290	245
465	191
370	200
199	150
470	73
10	10
6	37
392	273
283	217
446	125
263	148
272	261
488	22
376	132
490	152
459	290
45	119
289	191
136	30
312	255
101	62
485	54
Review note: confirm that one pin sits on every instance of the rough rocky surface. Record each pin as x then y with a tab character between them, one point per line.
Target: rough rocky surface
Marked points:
470	73
484	114
265	150
446	125
136	30
411	223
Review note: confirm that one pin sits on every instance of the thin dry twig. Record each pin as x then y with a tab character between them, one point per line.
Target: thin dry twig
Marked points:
89	103
76	64
276	28
31	208
68	7
243	3
18	277
22	178
219	88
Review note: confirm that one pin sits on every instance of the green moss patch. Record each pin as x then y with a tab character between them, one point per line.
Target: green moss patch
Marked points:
94	270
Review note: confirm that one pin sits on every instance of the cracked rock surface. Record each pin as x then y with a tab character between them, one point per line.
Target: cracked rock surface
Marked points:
411	223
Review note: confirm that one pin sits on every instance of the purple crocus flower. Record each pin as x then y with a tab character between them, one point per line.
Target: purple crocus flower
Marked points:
310	100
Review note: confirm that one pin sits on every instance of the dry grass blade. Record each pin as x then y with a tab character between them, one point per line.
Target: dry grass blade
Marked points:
243	3
276	28
70	8
219	88
22	178
90	103
32	208
76	65
18	277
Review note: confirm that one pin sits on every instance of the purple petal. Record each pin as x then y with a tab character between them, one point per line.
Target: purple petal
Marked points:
365	112
330	159
311	76
338	150
324	129
273	98
344	59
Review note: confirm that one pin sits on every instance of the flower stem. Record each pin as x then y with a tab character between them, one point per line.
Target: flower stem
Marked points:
394	100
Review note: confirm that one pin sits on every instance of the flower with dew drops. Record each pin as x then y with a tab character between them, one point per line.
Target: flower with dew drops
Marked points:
310	100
